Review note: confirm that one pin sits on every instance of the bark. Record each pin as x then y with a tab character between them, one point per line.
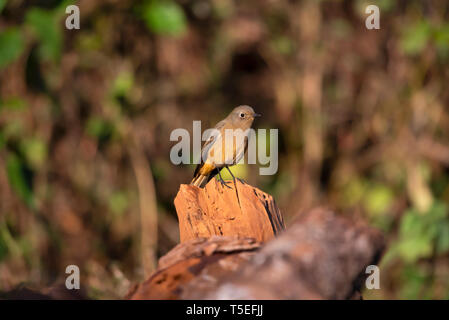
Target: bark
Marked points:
212	257
321	256
217	210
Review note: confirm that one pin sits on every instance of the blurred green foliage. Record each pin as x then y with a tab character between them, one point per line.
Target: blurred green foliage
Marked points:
164	17
11	46
2	5
17	178
421	33
46	26
416	37
423	234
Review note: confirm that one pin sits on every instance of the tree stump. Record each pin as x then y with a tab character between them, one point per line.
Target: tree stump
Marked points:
224	252
242	210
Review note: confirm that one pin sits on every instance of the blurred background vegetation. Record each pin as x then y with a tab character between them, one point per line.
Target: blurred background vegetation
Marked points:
86	115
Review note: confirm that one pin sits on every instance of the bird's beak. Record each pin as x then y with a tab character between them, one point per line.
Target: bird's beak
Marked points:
257	115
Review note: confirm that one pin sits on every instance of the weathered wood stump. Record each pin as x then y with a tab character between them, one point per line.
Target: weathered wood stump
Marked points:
243	211
225	253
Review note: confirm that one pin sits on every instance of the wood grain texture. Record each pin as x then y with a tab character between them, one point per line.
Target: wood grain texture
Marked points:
211	258
243	211
321	255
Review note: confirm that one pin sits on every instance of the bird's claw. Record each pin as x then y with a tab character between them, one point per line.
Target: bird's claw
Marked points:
223	183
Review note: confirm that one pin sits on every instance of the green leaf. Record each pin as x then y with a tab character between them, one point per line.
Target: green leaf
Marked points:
442	35
378	199
10	245
353	191
13	103
386	5
164	17
123	84
99	128
17	180
35	151
118	203
13	129
442	41
283	45
2	5
413	280
411	249
414	241
47	28
415	37
420	233
11	46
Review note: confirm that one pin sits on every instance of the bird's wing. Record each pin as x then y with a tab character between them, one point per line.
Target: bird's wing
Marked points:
212	138
240	152
208	144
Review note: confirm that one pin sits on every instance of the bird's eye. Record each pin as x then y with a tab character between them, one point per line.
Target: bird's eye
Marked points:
242	115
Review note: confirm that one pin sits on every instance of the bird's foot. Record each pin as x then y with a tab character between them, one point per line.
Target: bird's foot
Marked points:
223	183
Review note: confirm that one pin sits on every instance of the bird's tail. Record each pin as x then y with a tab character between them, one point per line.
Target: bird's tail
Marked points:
200	180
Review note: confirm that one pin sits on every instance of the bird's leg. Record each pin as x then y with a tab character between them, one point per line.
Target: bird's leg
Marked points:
222	181
234	178
235	185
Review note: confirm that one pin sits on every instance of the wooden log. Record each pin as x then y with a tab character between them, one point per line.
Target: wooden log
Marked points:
213	256
320	256
242	210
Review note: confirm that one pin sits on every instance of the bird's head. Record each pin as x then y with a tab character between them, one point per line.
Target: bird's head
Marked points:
243	116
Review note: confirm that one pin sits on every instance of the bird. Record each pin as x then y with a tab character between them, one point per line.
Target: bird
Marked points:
218	153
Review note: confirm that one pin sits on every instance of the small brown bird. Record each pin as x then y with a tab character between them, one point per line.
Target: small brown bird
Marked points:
219	152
